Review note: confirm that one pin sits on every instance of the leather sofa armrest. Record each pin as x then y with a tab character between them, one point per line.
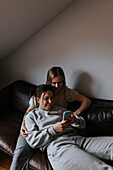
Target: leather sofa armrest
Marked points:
6	97
99	120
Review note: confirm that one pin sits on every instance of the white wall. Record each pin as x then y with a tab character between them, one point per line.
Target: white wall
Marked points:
20	20
80	40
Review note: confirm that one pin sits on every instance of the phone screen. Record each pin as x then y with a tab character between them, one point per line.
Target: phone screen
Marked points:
67	115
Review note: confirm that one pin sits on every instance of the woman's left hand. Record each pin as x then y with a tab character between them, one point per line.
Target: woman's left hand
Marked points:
72	119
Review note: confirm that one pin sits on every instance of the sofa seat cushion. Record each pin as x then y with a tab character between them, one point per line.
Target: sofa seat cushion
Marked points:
9	130
39	161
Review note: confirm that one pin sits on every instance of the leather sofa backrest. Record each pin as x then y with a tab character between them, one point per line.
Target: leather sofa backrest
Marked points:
99	117
22	92
99	120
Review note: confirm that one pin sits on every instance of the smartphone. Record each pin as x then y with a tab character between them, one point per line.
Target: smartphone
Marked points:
67	115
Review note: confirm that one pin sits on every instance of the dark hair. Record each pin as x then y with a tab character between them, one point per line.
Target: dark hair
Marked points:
55	72
43	88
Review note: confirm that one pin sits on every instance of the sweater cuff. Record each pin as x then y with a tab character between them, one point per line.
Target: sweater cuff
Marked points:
80	122
52	131
78	119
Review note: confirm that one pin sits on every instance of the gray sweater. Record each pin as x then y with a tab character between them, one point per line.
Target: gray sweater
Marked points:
39	124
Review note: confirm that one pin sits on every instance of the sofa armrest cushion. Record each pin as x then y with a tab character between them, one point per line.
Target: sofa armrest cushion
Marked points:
99	120
5	98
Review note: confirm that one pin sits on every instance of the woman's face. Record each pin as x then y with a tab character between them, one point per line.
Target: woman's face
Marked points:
46	100
57	82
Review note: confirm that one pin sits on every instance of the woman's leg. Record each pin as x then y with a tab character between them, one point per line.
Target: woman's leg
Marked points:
64	154
21	155
101	147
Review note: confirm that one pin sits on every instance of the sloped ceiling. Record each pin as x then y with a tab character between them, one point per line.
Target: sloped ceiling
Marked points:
20	20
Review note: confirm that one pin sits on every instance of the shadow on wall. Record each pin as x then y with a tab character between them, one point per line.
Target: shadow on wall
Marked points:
83	83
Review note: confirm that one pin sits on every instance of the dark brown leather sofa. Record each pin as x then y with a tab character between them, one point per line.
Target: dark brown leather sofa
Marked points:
13	103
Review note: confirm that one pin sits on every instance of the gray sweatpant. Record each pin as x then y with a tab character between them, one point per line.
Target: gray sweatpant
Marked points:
80	153
21	155
69	153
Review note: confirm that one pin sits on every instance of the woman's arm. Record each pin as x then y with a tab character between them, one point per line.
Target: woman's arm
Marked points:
23	129
32	105
29	109
85	103
39	138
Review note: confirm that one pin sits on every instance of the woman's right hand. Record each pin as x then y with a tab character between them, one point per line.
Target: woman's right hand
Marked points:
23	130
61	126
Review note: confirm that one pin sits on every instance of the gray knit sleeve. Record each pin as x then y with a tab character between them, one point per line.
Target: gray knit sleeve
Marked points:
81	124
33	102
37	138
